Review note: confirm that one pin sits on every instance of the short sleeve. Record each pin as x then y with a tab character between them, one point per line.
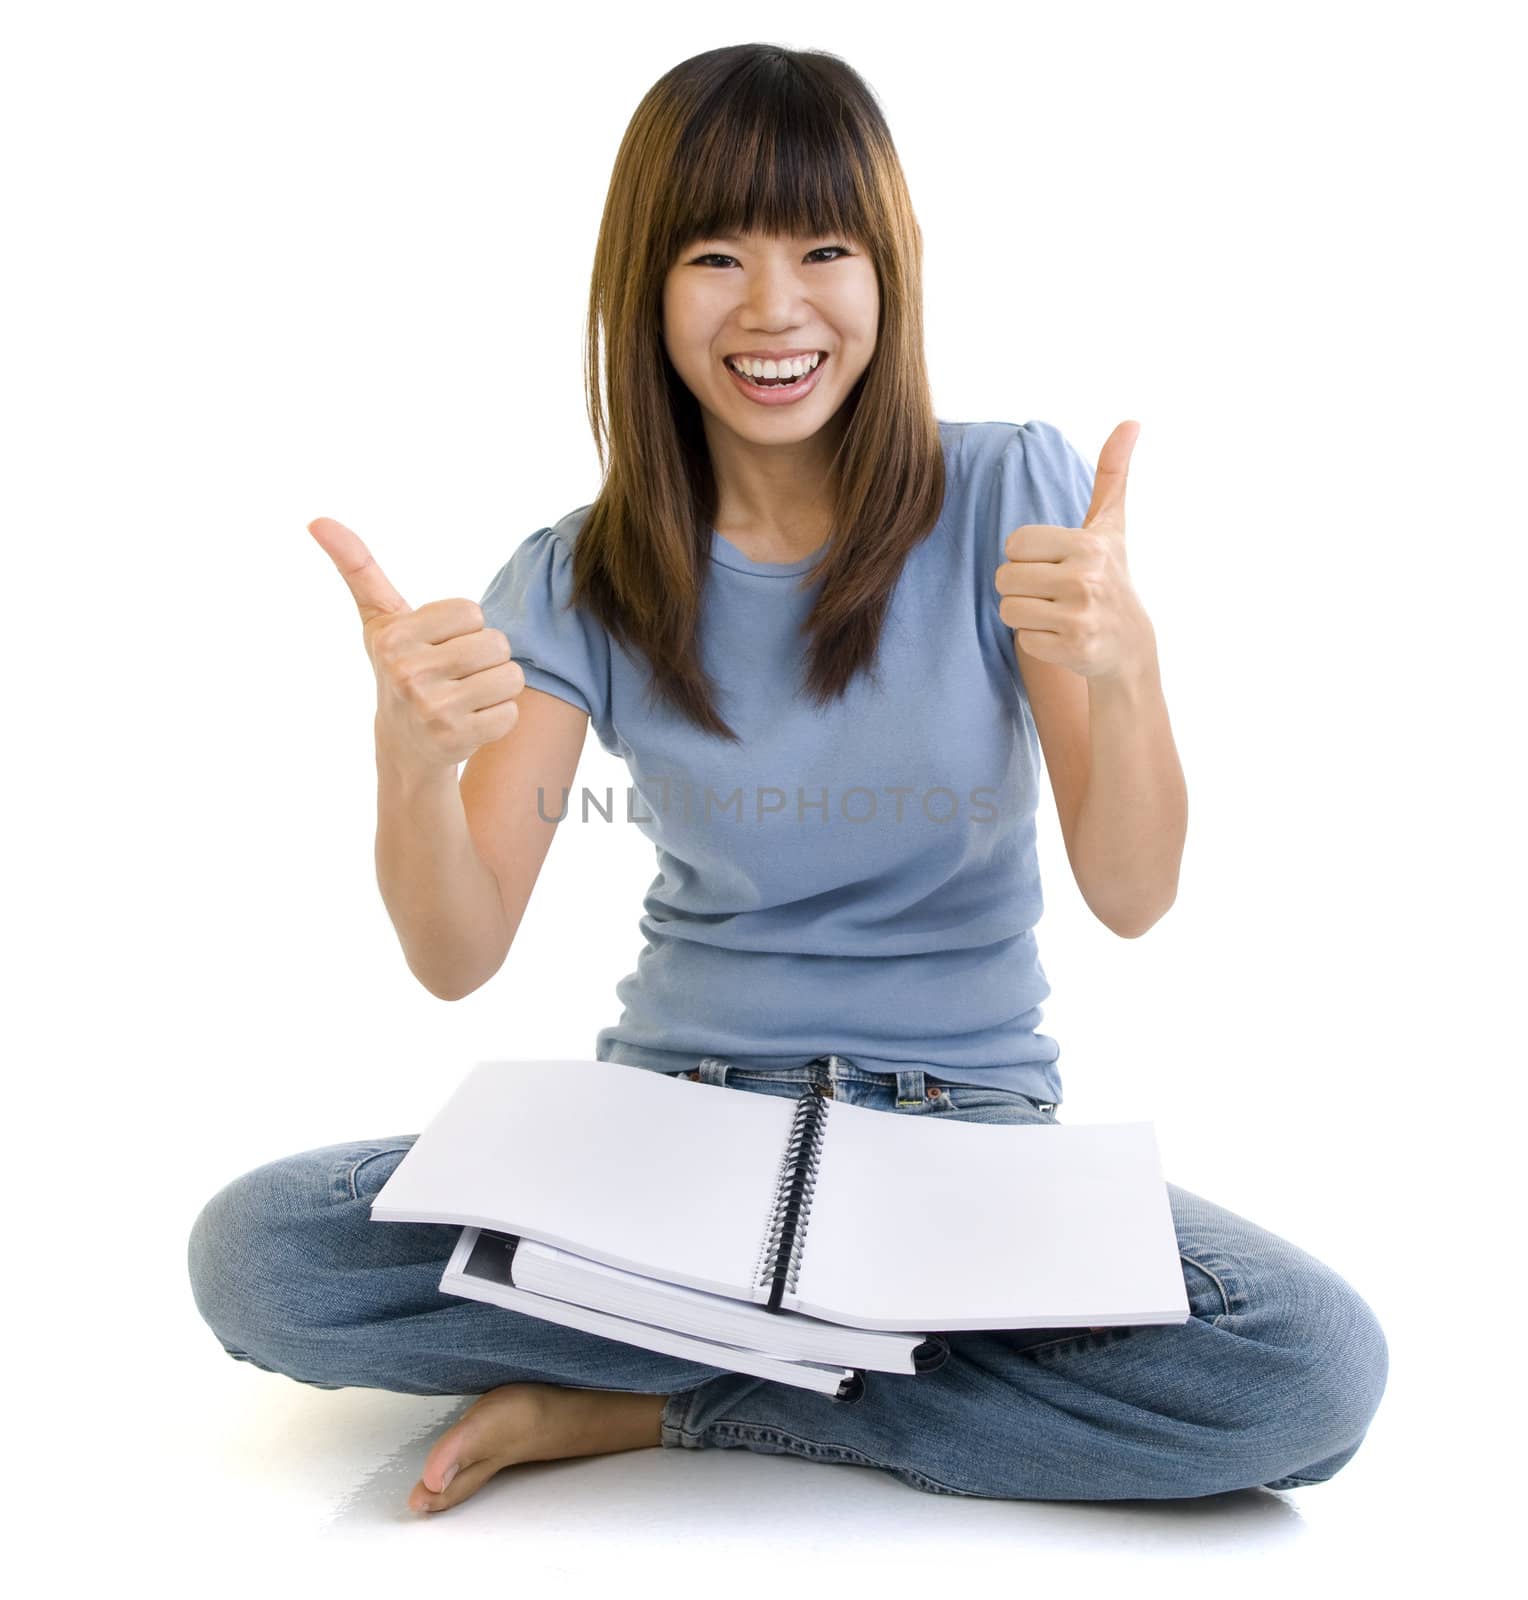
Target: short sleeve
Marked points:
561	650
1042	479
1031	474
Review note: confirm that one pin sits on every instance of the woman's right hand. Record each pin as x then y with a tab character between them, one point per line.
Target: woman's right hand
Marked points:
446	685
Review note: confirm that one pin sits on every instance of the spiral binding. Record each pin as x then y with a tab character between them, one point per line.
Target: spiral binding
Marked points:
780	1256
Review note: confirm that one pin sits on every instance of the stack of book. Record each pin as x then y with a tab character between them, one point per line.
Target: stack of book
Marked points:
795	1238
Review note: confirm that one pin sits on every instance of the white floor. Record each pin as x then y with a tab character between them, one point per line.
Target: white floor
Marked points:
236	1481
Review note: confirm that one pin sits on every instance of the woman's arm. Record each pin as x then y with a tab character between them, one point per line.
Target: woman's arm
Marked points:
443	898
1127	842
1088	655
1119	789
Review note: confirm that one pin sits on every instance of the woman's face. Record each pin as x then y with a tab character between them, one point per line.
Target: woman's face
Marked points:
770	296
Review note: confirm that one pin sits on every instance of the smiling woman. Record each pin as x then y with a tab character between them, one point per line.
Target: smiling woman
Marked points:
787	533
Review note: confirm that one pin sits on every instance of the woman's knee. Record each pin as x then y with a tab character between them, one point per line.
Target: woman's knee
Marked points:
1322	1357
248	1245
1354	1355
1333	1363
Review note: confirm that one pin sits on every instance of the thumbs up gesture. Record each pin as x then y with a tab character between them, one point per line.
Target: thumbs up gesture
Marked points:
445	683
1066	592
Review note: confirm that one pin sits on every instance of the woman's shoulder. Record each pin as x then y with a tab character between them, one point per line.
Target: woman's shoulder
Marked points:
979	442
564	533
547	553
1032	465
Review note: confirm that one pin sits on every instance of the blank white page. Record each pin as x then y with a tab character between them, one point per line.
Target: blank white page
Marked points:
663	1176
918	1223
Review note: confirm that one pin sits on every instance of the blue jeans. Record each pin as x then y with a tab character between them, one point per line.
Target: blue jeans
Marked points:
1272	1380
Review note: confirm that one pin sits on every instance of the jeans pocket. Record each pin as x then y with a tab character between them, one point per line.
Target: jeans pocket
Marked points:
1206	1293
984	1104
368	1166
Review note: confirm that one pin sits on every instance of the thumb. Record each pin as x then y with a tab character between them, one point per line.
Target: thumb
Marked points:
1108	505
374	595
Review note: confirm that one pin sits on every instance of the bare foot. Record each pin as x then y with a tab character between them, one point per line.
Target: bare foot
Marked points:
532	1422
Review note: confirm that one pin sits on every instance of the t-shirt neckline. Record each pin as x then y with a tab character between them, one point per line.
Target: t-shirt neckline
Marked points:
728	554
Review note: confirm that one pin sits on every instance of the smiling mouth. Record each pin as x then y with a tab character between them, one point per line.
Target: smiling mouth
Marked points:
778	383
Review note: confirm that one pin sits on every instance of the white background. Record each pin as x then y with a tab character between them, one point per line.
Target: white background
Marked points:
270	263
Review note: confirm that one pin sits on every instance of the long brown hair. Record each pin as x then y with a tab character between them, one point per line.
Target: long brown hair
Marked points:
744	138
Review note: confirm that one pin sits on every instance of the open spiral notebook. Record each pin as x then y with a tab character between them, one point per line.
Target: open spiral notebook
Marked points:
802	1238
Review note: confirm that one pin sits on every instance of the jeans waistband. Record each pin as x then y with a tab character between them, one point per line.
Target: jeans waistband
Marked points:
825	1072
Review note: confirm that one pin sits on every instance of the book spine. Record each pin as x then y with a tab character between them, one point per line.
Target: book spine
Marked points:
780	1257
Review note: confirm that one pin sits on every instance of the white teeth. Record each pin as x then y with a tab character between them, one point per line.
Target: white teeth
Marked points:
797	367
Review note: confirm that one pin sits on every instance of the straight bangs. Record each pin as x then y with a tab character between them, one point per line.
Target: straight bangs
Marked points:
766	154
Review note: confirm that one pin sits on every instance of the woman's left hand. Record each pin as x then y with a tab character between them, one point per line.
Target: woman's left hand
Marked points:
1066	591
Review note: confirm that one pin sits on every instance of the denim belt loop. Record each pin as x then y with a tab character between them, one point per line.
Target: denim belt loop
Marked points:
911	1087
824	1071
713	1070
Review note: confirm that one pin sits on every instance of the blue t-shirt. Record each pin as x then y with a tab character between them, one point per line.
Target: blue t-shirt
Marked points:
858	881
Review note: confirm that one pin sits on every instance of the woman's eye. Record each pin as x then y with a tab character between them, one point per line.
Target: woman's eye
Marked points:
821	250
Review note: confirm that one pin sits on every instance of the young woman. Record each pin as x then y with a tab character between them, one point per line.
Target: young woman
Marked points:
830	635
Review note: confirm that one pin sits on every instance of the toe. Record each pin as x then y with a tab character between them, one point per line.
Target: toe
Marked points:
478	1443
466	1482
454	1448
